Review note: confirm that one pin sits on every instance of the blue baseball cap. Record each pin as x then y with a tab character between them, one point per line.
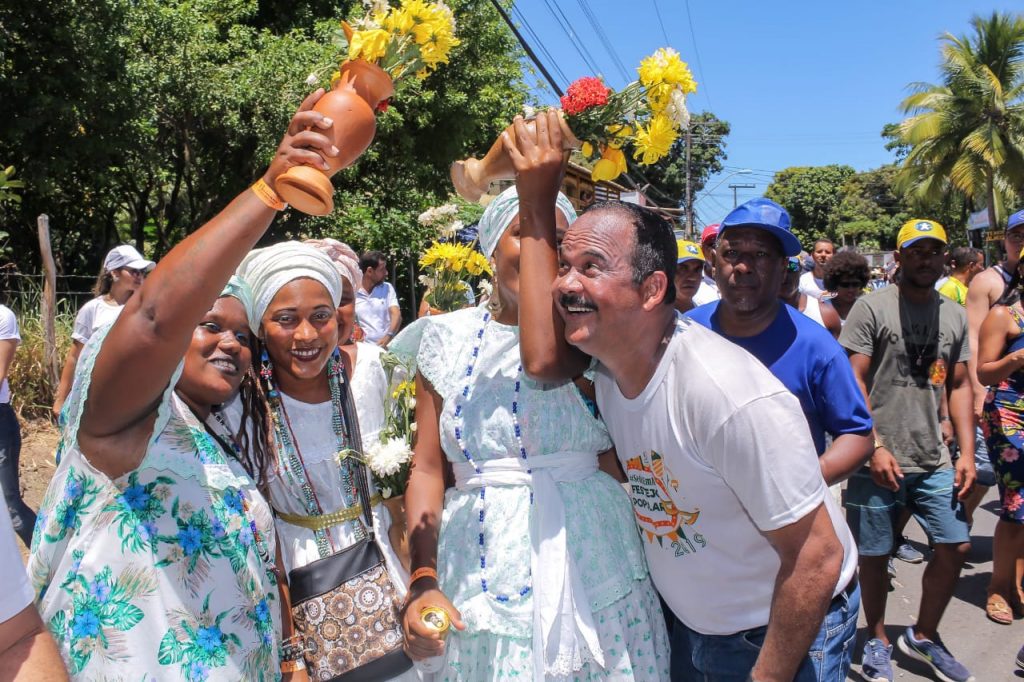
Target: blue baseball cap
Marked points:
766	215
1016	220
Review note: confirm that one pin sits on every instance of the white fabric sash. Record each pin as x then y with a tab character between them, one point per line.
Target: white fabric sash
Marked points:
563	624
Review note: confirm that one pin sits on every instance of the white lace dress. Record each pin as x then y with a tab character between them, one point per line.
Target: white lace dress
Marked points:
608	602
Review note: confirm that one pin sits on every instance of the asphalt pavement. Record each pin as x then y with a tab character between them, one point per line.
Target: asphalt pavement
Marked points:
987	649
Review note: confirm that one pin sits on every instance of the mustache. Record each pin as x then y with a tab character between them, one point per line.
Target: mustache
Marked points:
575	301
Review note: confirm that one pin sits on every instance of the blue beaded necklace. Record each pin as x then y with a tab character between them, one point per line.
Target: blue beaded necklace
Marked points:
464	395
290	458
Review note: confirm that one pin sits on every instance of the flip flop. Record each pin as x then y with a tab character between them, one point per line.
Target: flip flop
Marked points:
998	611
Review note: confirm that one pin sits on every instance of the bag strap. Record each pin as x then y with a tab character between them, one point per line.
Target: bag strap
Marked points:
355	442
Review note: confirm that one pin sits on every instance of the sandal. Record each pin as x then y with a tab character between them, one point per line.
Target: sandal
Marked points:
998	611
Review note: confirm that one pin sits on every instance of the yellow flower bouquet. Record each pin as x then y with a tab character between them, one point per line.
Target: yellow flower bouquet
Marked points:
446	266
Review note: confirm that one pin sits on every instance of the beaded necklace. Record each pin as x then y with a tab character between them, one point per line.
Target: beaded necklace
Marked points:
464	395
290	459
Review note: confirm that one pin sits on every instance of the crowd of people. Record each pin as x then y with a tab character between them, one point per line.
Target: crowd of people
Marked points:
629	459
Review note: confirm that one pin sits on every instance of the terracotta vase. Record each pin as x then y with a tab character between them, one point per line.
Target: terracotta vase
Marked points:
472	177
397	533
352	105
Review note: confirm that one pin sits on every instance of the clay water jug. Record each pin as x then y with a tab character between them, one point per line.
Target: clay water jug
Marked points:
352	105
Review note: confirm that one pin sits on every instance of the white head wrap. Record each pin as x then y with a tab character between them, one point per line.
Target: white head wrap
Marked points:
345	259
502	211
267	270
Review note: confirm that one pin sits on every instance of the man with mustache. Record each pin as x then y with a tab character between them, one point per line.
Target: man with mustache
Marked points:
908	345
743	540
752	254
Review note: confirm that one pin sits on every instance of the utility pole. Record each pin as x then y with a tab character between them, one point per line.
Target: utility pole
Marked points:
689	201
735	187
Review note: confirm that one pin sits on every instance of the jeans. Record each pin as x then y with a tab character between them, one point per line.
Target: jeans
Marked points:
22	518
730	658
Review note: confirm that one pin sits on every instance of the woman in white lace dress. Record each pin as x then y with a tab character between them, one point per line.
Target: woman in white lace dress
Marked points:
536	551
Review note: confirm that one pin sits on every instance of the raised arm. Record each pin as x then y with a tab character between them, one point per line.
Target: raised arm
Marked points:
994	364
540	166
981	294
154	329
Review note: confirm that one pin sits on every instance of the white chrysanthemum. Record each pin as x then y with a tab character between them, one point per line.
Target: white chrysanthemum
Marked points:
485	287
312	79
436	214
676	109
427	281
528	111
449	231
386	458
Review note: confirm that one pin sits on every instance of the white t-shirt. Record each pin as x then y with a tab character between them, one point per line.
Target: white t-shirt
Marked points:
17	592
707	292
94	315
716	451
8	330
811	285
373	310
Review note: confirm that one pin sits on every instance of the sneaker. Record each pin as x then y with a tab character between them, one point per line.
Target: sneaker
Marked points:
935	654
877	663
906	552
1020	658
892	568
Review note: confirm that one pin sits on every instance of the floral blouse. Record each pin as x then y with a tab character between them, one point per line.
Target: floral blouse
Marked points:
165	572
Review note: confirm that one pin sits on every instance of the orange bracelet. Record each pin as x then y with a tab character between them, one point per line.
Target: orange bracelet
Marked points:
268	196
422	572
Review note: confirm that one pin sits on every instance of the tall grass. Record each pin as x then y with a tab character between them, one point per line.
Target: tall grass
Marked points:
31	388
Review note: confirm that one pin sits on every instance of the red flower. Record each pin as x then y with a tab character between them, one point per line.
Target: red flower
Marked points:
585	93
383	106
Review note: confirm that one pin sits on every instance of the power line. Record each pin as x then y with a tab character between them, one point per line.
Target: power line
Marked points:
664	33
609	48
540	44
566	26
526	47
696	53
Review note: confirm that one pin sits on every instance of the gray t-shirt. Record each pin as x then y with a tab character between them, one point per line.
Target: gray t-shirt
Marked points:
913	349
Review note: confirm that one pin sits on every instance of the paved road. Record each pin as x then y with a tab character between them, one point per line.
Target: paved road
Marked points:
987	649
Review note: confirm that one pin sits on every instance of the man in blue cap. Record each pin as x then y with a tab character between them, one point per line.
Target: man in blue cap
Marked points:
908	347
743	539
751	258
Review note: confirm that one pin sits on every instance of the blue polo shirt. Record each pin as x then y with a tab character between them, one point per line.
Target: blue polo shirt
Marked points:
810	363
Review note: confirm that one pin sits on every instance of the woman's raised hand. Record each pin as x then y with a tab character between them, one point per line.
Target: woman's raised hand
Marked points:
422	641
303	143
538	158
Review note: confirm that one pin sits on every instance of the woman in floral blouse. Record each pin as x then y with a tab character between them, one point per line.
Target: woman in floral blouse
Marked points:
153	555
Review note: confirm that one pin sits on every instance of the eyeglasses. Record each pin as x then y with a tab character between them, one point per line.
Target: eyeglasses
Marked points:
792	266
140	274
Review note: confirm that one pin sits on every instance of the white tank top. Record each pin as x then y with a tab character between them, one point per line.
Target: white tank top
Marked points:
813	310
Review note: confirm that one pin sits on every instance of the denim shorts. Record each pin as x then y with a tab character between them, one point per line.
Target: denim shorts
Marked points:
730	658
871	510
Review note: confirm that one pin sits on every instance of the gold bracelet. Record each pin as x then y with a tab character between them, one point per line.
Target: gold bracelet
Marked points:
267	195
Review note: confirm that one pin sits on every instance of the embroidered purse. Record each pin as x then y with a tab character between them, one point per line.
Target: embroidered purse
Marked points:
345	605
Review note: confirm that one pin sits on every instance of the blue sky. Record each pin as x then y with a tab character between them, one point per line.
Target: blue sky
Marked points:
801	83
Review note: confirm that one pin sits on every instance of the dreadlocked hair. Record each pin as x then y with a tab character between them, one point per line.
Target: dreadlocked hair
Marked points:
255	442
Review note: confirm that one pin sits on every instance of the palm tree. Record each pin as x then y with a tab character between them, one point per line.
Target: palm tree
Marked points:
966	135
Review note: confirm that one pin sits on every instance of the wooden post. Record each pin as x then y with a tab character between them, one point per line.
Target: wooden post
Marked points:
48	304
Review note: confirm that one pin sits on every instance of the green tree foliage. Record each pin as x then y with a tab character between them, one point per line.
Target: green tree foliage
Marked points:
139	119
966	134
708	135
811	194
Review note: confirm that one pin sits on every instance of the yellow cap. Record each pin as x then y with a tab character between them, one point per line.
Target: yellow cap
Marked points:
688	251
913	230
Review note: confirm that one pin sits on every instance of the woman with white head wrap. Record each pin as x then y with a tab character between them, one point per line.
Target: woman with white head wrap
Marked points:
555	584
296	292
366	374
154	552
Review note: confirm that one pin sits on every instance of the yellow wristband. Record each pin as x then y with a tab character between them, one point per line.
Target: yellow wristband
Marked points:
268	196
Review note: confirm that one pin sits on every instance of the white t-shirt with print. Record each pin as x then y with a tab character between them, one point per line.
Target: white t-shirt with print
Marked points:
811	285
17	592
716	451
8	331
94	315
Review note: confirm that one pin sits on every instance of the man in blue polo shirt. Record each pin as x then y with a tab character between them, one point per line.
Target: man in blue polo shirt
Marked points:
754	243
